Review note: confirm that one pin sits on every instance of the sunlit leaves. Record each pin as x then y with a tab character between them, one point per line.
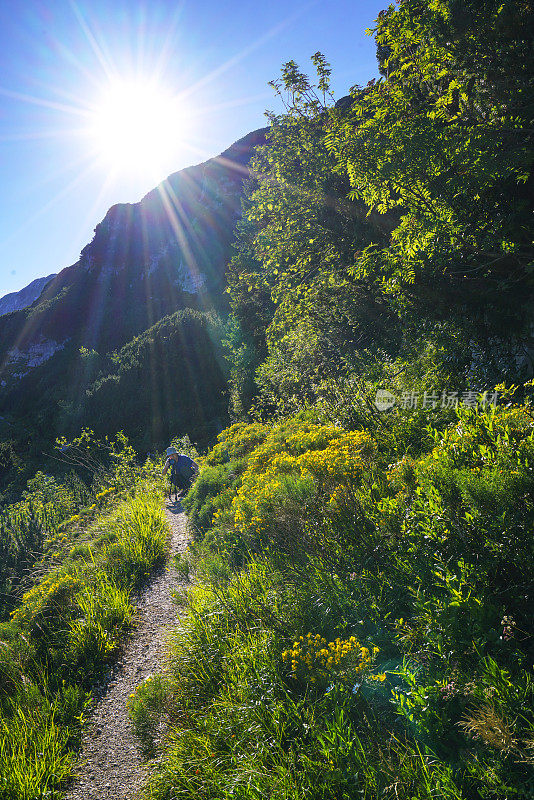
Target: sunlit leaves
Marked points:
440	139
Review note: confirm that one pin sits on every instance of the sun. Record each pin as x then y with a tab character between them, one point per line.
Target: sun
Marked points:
136	126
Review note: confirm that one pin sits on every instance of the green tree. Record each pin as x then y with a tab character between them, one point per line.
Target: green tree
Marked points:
298	235
446	141
397	222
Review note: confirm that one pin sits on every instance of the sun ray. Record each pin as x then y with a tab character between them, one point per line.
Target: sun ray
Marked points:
249	49
108	67
49	133
172	205
39	101
71	58
236	103
167	46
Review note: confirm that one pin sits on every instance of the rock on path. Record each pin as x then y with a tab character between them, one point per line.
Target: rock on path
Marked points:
111	765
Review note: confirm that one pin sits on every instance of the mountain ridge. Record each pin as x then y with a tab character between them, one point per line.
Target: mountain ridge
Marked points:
16	301
146	260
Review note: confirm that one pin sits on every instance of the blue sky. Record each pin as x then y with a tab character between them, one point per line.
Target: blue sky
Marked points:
56	57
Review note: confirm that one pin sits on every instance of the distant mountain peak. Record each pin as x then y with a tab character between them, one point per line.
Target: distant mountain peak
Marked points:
16	301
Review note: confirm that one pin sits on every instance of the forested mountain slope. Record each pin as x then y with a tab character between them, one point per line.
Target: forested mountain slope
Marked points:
171	378
146	260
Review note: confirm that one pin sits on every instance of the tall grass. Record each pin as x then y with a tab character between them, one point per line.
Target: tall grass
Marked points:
34	757
35	530
324	545
29	528
62	634
140	541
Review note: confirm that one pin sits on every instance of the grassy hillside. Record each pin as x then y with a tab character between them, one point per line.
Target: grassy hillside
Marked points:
66	627
362	624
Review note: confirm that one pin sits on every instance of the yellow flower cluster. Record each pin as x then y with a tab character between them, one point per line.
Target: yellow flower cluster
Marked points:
99	496
314	658
338	498
316	455
237	440
146	682
53	590
104	492
342	459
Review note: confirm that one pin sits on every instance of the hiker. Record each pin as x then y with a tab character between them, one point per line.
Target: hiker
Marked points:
183	470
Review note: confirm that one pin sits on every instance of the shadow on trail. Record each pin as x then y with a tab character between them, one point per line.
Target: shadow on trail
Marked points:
174	507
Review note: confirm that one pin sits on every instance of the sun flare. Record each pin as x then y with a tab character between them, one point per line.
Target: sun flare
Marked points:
137	126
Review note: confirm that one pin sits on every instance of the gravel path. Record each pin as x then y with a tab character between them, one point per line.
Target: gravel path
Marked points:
111	765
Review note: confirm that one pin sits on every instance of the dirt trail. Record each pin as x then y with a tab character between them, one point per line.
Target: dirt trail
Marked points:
111	765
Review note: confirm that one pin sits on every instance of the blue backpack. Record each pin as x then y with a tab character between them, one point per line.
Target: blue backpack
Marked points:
182	467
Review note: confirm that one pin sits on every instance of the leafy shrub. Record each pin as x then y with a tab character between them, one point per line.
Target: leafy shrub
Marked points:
317	533
212	491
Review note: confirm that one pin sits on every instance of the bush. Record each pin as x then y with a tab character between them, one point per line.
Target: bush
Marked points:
322	556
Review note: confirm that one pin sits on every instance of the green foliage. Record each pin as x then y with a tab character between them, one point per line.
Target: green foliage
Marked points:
33	753
139	543
384	244
361	623
170	380
288	280
68	626
146	706
449	125
184	445
395	223
326	553
103	612
33	530
167	381
207	494
99	460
